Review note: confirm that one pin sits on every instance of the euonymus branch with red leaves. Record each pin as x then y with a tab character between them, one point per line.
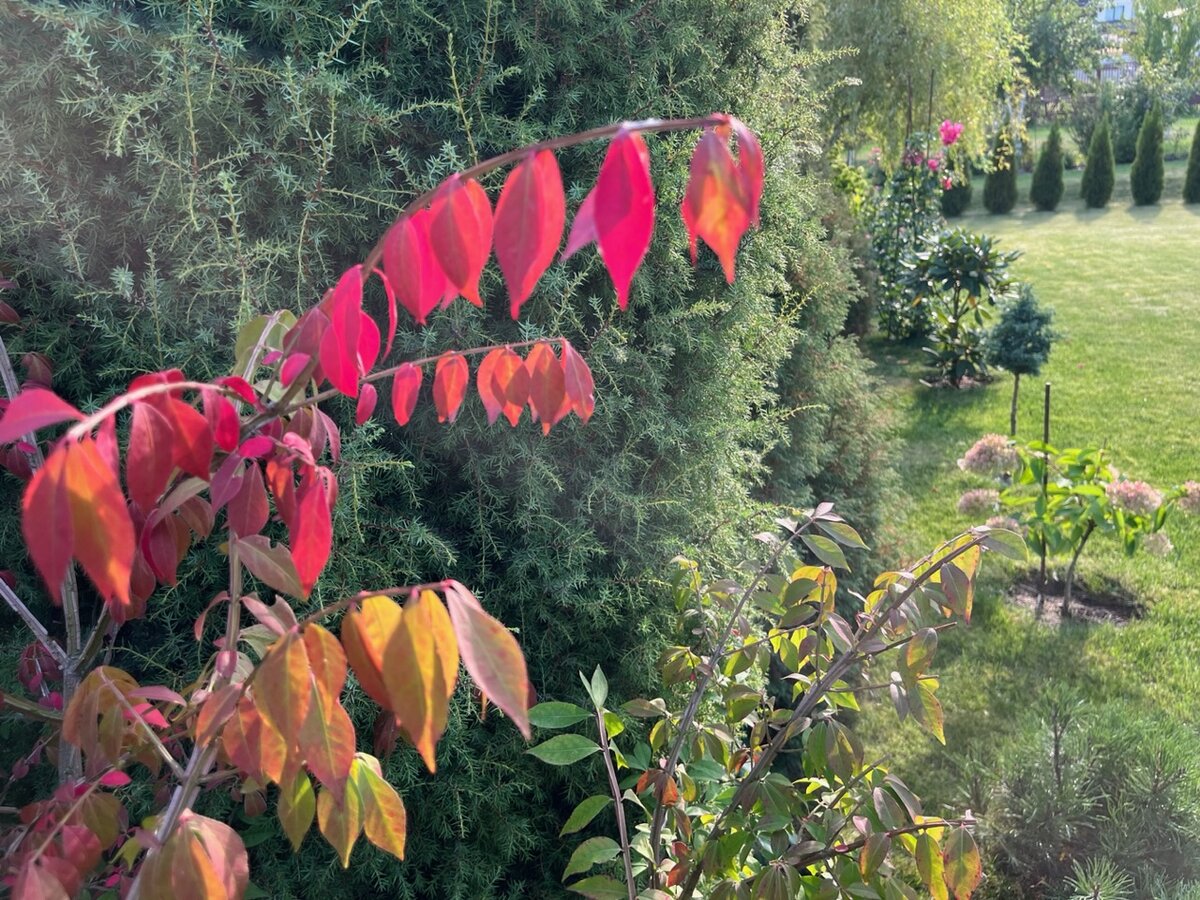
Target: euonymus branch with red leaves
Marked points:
256	446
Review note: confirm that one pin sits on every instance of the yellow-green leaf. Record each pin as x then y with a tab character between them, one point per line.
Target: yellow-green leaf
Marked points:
591	852
584	813
929	865
297	806
962	867
384	820
341	824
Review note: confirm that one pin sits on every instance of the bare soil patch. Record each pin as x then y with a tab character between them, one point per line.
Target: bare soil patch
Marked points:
1104	602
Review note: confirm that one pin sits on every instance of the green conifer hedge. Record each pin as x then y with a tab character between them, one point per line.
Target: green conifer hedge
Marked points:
1000	185
1046	190
1100	174
169	171
1146	174
1191	182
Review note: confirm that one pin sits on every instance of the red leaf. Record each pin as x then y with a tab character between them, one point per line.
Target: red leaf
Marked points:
283	489
103	531
511	382
192	447
253	744
32	409
160	547
411	266
8	315
750	166
577	381
390	293
624	209
248	510
222	419
529	222
312	536
490	654
493	401
461	234
366	403
368	344
547	385
405	386
37	368
450	381
715	206
239	386
148	461
583	229
340	342
34	882
46	521
292	367
115	779
256	447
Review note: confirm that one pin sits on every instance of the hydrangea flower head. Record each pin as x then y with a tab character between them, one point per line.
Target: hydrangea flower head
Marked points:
1190	501
991	455
1134	497
1007	523
978	501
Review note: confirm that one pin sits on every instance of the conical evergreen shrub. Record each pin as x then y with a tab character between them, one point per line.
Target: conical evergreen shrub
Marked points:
1100	174
1146	175
956	200
1000	186
1046	191
1191	182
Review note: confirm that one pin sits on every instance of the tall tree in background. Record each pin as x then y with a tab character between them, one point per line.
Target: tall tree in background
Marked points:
1167	37
1059	37
966	46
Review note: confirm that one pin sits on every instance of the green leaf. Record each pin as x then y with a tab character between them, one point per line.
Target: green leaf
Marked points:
612	724
564	749
929	865
919	653
1007	543
843	534
591	852
645	709
706	770
825	550
873	854
582	814
599	887
556	714
962	866
599	688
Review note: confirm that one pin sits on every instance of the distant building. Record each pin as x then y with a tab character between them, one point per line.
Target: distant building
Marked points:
1117	11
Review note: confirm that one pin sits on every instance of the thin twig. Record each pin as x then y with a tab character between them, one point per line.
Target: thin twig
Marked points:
145	727
615	787
34	624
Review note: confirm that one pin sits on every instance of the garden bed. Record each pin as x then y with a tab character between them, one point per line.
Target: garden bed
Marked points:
1089	602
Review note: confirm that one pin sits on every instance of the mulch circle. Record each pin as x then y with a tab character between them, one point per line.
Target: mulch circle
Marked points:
1087	604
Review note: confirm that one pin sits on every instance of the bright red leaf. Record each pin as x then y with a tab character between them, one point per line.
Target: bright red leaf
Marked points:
367	399
547	385
292	367
148	462
577	381
46	521
406	384
32	409
529	222
750	166
461	234
715	206
222	419
510	382
312	534
411	266
493	400
450	380
624	210
340	342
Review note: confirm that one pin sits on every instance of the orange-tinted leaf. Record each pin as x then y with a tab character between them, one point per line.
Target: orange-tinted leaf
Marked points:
366	633
283	687
297	807
450	381
715	206
340	823
224	851
493	401
384	819
33	409
46	521
411	266
312	534
249	510
253	745
340	341
103	531
420	667
962	867
327	663
547	385
577	382
510	382
283	488
530	215
406	384
149	461
216	711
491	655
35	882
461	234
270	564
327	742
750	166
624	209
367	399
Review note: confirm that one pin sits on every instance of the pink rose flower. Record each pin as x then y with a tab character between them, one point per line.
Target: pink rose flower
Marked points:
933	163
950	132
947	183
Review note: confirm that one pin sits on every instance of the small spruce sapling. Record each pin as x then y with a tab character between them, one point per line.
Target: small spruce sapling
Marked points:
1021	341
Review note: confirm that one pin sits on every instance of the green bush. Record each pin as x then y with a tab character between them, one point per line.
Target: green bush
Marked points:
212	165
1191	183
956	200
1000	186
1047	188
1100	175
1146	175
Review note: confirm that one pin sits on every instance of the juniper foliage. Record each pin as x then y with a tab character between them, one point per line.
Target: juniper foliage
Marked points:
1100	175
1000	185
1146	174
1046	190
1191	182
172	169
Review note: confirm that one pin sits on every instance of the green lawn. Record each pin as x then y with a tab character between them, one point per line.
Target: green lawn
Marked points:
1125	284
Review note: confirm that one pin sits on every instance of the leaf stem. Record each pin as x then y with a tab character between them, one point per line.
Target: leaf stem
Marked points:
615	787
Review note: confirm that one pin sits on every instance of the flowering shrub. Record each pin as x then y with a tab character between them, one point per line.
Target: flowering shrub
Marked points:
978	501
950	132
1083	495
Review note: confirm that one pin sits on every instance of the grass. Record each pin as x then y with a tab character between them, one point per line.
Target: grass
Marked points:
1125	286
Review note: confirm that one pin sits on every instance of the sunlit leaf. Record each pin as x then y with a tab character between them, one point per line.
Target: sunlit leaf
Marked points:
564	749
529	220
582	814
